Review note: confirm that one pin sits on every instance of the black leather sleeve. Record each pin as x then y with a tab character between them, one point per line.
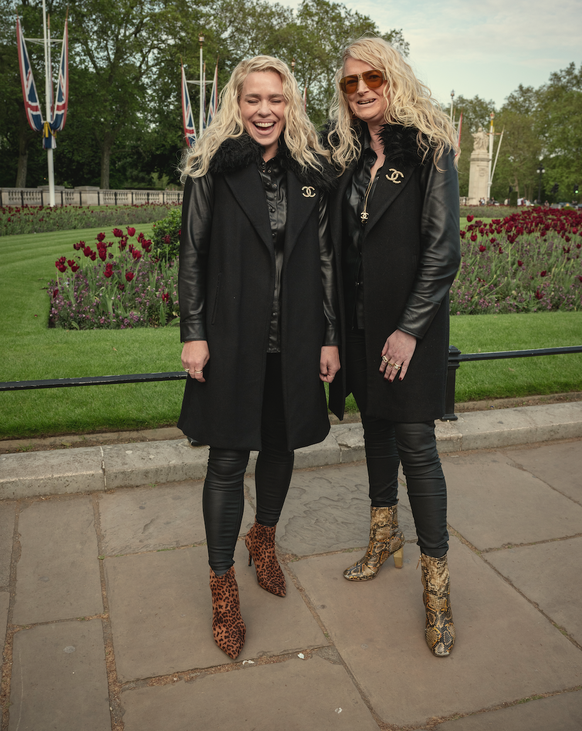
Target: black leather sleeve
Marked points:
440	255
328	277
194	242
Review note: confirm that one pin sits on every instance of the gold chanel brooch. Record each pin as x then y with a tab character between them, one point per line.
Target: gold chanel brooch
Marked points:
308	191
395	175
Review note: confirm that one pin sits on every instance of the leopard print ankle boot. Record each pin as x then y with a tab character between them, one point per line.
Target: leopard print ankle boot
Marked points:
228	627
440	630
386	539
260	543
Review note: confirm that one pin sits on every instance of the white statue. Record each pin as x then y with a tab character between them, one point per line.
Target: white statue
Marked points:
481	140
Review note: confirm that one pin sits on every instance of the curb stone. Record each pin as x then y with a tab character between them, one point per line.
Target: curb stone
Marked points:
92	469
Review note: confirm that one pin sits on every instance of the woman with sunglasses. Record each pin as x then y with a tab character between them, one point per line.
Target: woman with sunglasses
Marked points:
395	223
257	315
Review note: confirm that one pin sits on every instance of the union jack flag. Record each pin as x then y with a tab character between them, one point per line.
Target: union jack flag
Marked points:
213	106
60	109
187	116
29	93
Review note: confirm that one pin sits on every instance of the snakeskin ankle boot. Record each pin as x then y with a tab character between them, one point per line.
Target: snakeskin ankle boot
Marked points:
228	627
440	630
386	539
260	543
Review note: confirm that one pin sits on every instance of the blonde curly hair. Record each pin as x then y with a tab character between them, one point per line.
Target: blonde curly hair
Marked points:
300	135
410	103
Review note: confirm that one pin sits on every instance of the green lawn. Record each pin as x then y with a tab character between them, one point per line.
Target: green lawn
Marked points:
31	351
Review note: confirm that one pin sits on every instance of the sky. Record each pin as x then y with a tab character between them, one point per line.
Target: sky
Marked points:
485	48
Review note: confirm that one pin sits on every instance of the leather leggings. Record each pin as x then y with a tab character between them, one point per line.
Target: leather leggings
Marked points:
223	494
390	443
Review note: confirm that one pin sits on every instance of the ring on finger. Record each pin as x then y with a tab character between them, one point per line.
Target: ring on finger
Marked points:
385	359
396	367
198	371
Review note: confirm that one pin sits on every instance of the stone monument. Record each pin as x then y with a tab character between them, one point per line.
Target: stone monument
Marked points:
479	170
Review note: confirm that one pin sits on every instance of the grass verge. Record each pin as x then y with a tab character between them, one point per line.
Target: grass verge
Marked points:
31	351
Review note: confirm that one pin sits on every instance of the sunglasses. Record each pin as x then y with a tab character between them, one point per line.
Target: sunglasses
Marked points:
373	79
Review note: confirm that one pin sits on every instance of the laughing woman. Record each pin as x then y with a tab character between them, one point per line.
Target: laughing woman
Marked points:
395	223
258	315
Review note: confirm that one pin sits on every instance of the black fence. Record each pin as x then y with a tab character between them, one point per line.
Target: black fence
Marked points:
455	359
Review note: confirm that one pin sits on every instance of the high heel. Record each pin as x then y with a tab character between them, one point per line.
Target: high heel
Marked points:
440	630
228	627
386	539
260	543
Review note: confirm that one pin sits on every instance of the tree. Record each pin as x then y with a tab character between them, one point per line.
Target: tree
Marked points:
521	150
559	125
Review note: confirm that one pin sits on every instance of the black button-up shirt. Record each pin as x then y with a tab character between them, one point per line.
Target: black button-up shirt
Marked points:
355	196
275	185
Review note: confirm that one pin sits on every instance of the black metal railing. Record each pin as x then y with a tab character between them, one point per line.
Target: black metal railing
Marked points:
455	359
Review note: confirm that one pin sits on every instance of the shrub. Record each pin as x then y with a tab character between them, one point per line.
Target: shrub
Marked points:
42	219
527	262
113	286
166	238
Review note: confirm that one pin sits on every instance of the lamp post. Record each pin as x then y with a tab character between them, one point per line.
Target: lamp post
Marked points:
541	171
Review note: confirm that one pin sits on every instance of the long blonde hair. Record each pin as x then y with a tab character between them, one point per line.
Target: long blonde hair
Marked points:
409	103
300	135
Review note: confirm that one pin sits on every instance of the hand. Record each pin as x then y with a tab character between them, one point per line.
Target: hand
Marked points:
329	363
398	350
195	356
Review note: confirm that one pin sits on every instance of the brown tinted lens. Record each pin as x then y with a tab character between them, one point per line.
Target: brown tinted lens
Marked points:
373	79
349	84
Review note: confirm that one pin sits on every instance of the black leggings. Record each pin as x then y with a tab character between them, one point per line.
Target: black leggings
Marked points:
387	444
223	495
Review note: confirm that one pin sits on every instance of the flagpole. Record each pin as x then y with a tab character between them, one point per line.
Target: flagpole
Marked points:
47	77
491	135
202	87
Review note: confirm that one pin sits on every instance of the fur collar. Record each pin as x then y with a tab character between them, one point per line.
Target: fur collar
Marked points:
400	143
240	152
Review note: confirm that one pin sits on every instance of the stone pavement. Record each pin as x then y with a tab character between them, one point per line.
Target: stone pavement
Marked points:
105	601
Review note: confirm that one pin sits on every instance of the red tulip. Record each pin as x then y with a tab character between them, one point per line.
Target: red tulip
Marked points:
117	232
482	248
543	274
55	293
129	276
136	254
539	295
519	263
130	231
470	218
108	273
100	237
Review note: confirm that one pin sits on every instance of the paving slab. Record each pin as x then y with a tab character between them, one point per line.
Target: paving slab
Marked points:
506	650
559	713
4	605
492	502
51	473
58	571
7	518
146	463
151	518
161	614
559	465
59	681
278	696
328	509
554	421
549	575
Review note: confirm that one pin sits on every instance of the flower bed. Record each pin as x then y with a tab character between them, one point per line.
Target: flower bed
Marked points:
525	262
115	285
42	219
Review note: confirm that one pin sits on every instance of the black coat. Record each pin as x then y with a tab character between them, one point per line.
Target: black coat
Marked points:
227	210
410	255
